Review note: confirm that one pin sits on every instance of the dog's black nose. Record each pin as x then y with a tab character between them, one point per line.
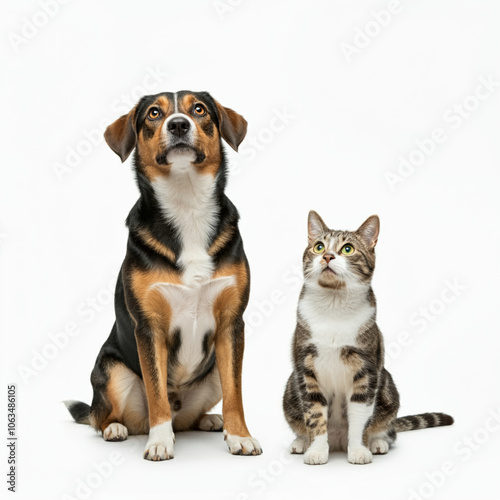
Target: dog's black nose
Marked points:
178	126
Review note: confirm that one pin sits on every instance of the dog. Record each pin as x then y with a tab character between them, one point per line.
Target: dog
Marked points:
177	343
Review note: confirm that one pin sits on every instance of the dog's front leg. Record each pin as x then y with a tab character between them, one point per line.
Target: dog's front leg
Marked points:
229	346
152	350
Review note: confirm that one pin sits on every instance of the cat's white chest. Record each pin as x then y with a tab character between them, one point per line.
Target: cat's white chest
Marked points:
331	329
334	327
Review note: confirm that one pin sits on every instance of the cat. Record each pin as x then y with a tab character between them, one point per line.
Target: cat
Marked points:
339	395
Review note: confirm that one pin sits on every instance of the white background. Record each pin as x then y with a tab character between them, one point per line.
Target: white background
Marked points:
63	236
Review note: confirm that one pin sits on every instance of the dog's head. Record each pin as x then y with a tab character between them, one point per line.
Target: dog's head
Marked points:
183	128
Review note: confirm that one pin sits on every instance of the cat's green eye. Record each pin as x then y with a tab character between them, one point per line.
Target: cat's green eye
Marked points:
319	247
347	250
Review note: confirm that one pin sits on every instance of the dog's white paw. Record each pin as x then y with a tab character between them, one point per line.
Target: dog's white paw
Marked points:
360	455
298	446
115	432
160	445
379	446
211	422
239	445
157	452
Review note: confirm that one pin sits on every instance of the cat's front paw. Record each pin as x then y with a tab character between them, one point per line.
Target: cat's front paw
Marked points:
359	455
316	456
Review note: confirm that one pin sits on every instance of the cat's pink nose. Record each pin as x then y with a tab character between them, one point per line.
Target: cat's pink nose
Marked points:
328	257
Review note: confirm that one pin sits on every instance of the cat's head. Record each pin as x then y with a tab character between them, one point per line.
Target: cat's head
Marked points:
340	259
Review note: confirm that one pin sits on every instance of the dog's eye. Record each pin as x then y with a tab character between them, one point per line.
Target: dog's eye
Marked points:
199	109
154	113
347	249
319	247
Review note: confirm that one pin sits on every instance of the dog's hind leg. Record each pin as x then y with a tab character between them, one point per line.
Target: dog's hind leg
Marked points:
190	406
119	407
211	422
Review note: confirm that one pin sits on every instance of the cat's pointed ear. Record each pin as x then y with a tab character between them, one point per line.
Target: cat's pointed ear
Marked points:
121	135
369	231
315	226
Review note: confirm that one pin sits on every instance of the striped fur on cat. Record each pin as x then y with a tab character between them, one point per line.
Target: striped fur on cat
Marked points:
340	396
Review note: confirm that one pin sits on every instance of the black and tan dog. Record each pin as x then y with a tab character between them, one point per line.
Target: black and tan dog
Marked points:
177	344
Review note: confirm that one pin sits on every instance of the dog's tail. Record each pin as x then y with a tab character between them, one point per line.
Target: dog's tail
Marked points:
79	411
422	421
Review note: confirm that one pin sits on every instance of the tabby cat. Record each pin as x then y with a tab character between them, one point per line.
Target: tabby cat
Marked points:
340	396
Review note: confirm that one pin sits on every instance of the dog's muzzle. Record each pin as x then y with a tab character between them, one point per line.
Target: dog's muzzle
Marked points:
178	127
179	134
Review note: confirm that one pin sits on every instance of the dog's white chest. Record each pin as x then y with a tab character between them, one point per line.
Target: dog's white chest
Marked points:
187	199
192	314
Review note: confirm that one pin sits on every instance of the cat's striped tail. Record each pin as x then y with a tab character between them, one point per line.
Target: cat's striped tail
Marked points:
422	421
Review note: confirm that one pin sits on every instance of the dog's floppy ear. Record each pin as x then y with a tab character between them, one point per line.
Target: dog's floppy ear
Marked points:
121	135
232	126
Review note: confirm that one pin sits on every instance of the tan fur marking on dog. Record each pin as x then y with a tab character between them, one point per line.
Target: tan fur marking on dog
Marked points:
221	241
210	145
232	403
229	301
226	308
185	103
125	391
153	303
149	147
114	400
154	358
165	104
156	385
211	165
156	245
